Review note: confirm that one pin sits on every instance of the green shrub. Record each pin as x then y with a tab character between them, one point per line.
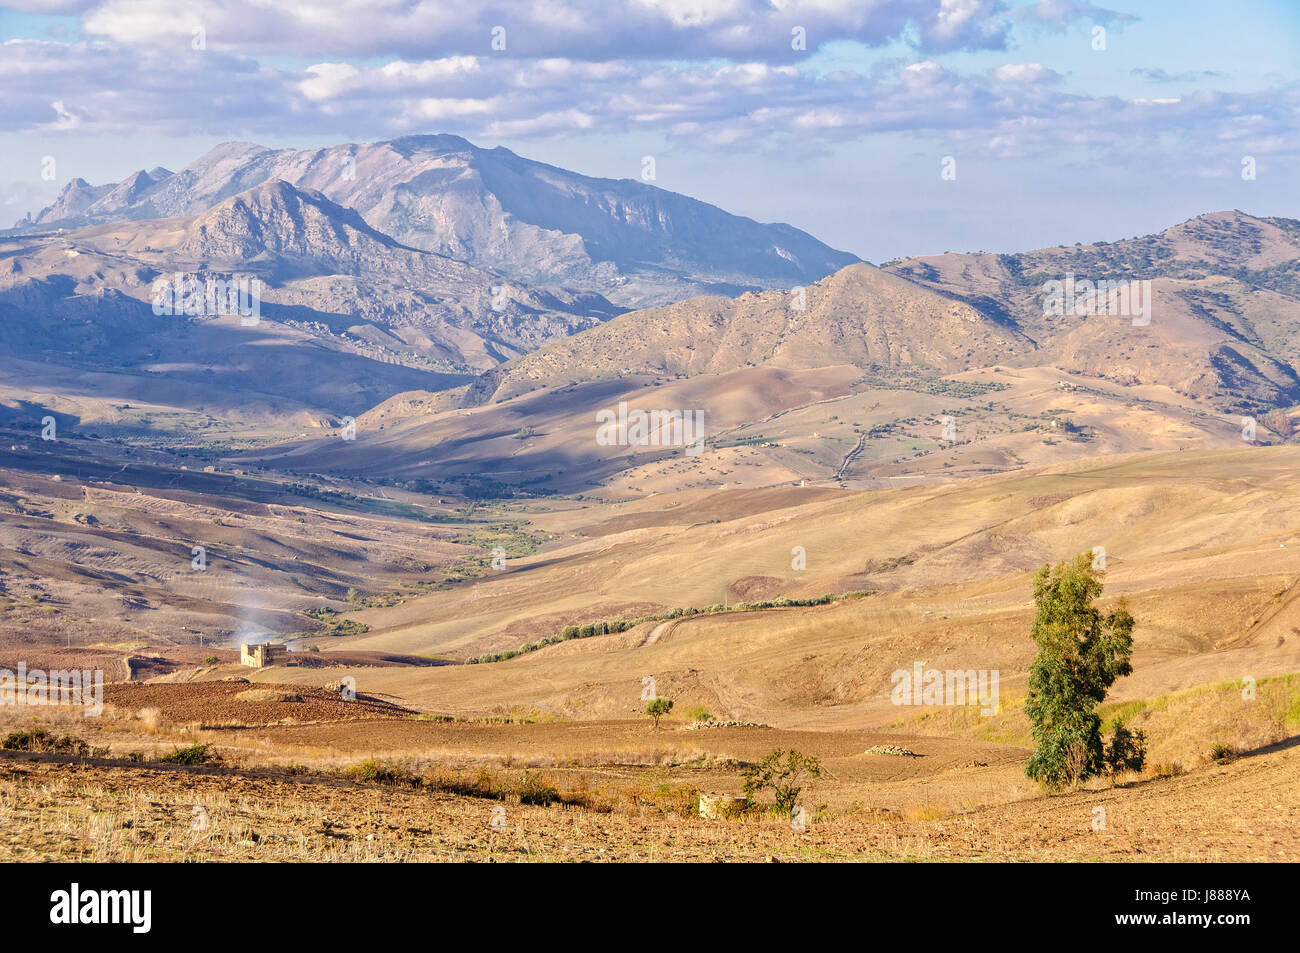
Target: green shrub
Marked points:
683	800
193	754
1222	751
375	771
535	789
781	771
38	739
1127	750
658	708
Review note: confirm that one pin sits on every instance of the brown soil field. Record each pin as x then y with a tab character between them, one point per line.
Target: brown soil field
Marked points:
240	702
1244	810
1204	546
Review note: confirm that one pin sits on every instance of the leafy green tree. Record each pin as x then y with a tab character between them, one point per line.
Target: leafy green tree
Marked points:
1127	750
781	771
1081	653
658	708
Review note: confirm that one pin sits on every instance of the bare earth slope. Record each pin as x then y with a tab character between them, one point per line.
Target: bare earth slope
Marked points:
1202	544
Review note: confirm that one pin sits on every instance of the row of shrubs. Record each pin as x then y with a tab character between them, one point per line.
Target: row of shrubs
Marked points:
334	624
536	789
782	772
527	788
614	626
39	740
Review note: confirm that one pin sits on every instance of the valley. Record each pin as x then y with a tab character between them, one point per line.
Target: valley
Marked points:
365	579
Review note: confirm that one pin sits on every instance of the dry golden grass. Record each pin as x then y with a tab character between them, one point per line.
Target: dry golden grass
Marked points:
1216	602
1213	597
1241	810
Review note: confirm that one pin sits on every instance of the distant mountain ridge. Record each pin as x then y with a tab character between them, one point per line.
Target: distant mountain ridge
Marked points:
860	315
347	316
919	368
1225	328
634	243
1226	324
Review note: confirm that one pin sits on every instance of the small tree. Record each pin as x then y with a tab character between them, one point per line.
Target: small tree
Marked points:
1127	750
782	776
1081	653
658	708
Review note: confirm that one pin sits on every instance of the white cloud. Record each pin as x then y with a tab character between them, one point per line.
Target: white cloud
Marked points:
1059	14
66	121
571	75
1015	109
923	74
1025	73
752	30
432	109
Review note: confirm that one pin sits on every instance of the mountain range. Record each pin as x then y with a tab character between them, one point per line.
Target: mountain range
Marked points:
468	308
925	368
534	223
348	313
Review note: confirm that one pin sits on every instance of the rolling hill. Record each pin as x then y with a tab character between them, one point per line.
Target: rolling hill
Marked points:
925	369
1202	544
1224	325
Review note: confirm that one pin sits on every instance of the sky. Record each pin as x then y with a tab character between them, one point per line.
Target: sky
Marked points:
883	127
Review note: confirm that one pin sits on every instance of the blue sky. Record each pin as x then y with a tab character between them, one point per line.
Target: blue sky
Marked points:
1054	140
